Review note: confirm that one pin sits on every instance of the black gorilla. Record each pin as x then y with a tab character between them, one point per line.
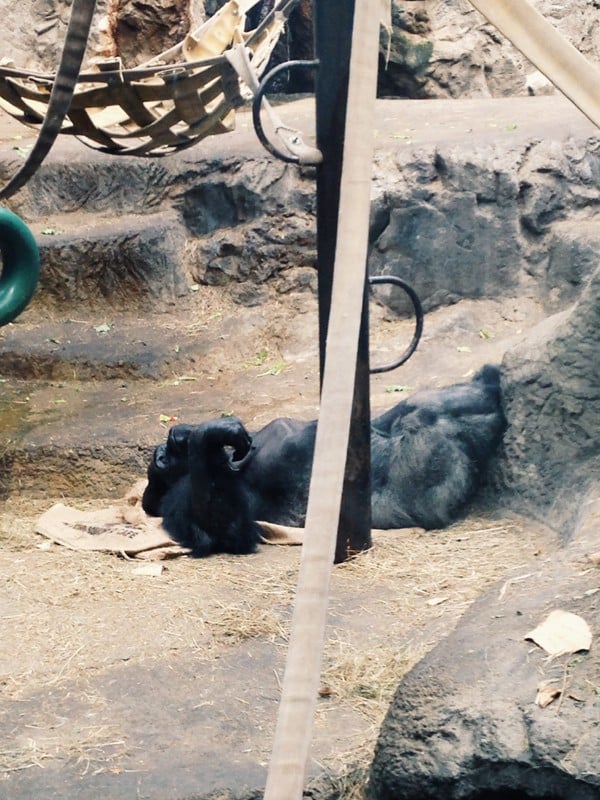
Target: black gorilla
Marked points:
210	482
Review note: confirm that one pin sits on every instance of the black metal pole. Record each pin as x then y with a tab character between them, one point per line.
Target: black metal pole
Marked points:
333	22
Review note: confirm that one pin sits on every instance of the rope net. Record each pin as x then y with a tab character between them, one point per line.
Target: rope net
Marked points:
169	103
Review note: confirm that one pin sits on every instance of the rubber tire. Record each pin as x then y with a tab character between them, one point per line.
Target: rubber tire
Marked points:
20	265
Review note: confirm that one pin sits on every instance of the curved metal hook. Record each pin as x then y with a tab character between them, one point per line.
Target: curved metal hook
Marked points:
301	152
416	303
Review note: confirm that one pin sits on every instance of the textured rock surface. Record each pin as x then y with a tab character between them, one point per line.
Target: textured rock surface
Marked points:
551	386
441	49
477	199
140	29
473	222
34	32
464	723
436	49
134	260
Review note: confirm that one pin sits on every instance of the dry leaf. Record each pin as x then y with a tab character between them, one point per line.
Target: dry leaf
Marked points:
562	632
546	694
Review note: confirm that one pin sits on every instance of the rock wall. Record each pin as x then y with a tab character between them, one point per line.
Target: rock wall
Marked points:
486	213
484	221
34	32
434	48
447	49
551	389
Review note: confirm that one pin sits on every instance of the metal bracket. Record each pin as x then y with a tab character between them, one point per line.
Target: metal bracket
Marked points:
416	304
299	151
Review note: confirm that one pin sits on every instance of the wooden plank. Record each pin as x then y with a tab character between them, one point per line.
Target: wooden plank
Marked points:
548	50
333	43
293	733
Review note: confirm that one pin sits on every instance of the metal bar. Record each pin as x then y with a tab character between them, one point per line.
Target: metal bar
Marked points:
333	23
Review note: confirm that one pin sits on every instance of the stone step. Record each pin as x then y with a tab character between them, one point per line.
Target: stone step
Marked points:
139	231
83	400
114	261
99	345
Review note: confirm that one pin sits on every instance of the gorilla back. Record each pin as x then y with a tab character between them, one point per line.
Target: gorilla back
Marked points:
211	482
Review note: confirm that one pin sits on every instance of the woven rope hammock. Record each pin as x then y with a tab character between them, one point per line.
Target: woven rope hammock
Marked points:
170	103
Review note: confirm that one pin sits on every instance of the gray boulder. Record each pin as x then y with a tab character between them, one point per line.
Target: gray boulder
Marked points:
551	386
464	722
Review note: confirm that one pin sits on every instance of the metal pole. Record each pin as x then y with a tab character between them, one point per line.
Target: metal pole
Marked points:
333	23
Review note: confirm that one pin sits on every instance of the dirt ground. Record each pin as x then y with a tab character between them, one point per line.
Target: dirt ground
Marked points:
120	684
117	684
112	679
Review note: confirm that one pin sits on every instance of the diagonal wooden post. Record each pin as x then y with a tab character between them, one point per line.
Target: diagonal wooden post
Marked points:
333	24
293	733
546	48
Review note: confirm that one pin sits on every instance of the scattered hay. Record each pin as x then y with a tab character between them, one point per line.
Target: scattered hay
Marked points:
93	748
68	616
345	786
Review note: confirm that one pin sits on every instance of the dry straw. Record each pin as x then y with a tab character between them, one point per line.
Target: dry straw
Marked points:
68	616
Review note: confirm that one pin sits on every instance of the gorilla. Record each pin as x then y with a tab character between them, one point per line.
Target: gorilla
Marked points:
211	482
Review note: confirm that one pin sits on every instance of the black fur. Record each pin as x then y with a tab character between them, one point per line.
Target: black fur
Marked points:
210	482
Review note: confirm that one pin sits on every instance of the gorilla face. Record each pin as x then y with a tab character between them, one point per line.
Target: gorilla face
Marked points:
171	457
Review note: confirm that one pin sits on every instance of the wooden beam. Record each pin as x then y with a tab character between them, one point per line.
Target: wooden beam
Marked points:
293	733
333	38
548	50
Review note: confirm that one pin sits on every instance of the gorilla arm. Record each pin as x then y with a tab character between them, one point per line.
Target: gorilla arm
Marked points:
208	510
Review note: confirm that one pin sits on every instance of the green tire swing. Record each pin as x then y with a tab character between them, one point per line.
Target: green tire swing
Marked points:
20	265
